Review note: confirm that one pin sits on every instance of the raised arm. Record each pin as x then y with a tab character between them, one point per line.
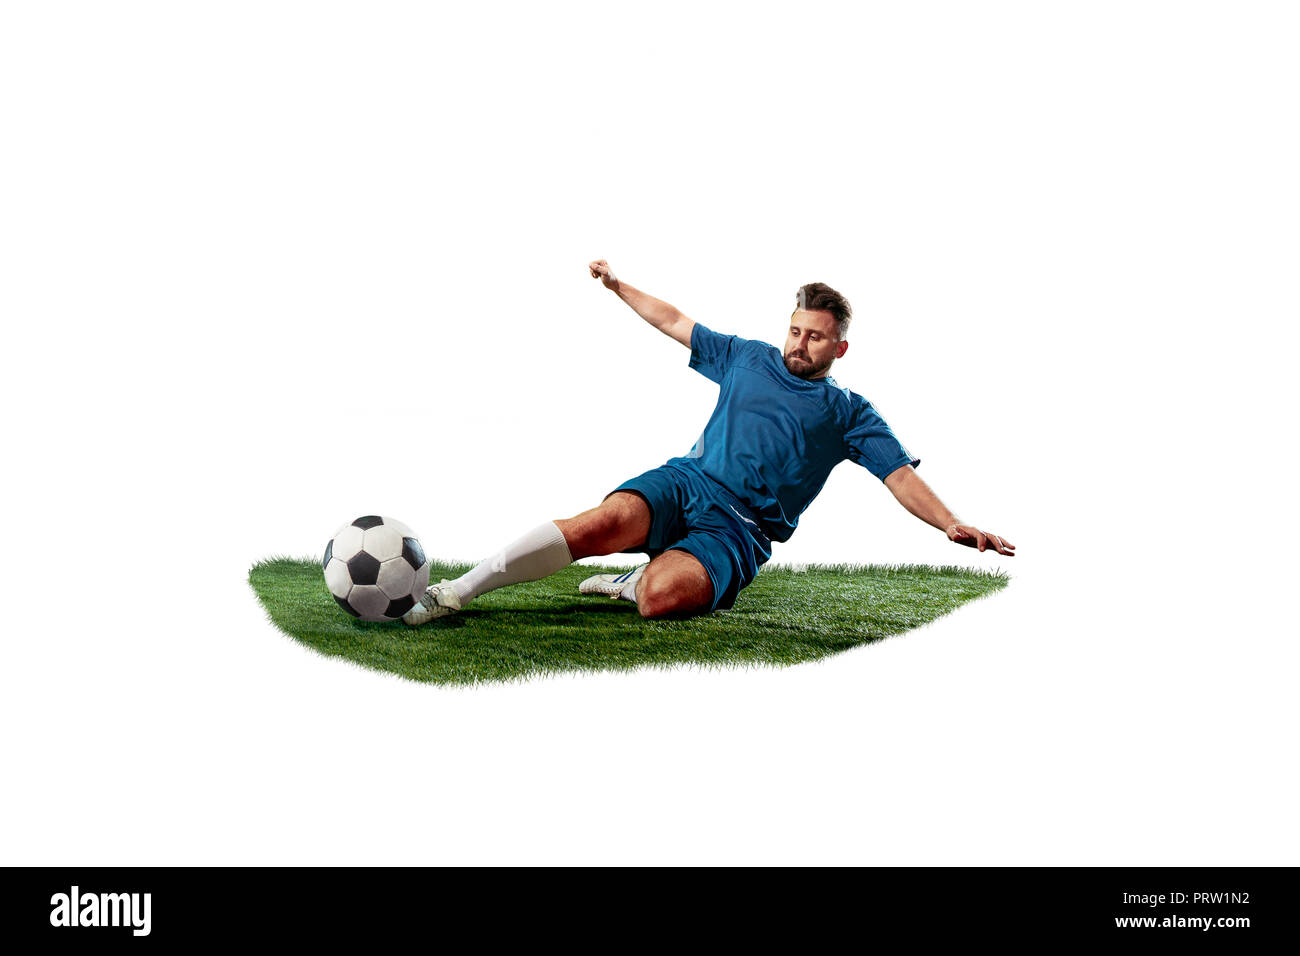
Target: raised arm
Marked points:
915	495
664	317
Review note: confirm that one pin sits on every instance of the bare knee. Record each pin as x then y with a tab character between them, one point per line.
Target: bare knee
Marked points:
621	521
662	594
654	596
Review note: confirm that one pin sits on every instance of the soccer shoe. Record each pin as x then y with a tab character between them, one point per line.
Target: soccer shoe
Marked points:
438	600
611	585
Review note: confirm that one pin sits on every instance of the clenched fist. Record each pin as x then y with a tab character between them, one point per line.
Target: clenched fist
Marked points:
600	270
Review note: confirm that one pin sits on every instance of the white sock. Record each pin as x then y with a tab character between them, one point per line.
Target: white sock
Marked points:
540	552
629	587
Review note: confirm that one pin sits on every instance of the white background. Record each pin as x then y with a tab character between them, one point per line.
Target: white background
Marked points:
267	266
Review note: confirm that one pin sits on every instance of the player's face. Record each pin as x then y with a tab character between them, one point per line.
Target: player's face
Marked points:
812	344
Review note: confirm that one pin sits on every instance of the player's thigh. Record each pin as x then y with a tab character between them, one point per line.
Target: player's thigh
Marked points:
620	522
674	583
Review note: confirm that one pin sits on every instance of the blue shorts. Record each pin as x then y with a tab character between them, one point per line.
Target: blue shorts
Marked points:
691	512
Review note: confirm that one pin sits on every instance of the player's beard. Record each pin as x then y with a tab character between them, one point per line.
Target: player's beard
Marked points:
799	365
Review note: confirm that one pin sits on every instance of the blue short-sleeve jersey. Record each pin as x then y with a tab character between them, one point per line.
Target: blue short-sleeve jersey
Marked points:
773	437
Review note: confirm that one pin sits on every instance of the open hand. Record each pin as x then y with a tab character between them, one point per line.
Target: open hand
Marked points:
600	270
973	537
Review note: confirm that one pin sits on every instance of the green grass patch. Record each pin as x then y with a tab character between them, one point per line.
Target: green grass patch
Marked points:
787	616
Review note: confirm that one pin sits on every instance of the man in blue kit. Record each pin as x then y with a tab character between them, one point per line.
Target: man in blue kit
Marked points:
708	520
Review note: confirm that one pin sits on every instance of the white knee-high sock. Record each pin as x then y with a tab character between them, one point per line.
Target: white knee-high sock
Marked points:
540	552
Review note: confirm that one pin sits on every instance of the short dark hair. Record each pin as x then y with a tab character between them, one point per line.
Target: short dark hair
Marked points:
819	297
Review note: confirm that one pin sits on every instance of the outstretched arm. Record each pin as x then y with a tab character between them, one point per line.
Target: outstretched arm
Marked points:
664	317
915	495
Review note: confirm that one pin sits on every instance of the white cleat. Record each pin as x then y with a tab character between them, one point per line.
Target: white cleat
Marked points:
438	600
612	585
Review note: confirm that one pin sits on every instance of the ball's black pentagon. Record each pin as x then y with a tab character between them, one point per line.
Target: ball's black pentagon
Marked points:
368	521
399	606
329	552
413	553
363	568
345	605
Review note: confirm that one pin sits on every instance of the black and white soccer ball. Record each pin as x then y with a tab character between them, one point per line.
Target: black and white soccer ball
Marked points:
375	568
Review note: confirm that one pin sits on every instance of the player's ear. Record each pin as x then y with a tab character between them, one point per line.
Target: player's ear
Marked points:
841	349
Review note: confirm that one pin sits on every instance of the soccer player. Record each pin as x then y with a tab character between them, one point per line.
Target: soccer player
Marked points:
708	520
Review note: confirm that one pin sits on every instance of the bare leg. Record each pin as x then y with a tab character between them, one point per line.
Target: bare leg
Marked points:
674	583
619	523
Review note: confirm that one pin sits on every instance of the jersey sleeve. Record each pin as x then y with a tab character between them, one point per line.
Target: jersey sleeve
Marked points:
871	442
712	354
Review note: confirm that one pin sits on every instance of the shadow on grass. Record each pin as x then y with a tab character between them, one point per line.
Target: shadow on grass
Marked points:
787	616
